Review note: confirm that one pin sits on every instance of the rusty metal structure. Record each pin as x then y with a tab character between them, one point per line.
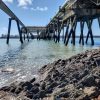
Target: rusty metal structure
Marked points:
71	13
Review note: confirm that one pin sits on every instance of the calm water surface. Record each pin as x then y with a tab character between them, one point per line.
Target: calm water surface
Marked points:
26	59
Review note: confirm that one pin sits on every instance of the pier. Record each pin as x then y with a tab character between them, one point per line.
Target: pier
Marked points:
67	17
71	13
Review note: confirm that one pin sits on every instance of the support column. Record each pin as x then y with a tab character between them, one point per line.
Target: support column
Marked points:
89	24
9	29
67	28
24	36
63	32
38	35
20	33
28	37
99	21
81	35
74	34
73	28
27	34
54	31
58	30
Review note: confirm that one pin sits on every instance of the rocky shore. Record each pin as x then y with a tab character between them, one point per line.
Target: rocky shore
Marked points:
76	78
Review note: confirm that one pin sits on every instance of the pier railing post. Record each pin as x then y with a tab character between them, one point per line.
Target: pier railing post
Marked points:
9	29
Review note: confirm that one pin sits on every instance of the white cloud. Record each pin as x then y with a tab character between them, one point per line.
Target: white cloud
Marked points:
24	3
40	9
9	1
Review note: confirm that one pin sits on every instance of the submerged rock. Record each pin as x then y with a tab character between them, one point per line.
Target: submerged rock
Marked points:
8	70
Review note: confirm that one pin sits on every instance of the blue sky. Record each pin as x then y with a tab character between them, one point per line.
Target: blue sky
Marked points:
35	13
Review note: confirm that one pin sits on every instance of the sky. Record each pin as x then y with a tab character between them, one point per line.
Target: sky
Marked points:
35	13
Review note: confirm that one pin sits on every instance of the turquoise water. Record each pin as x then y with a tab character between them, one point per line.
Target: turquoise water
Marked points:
26	59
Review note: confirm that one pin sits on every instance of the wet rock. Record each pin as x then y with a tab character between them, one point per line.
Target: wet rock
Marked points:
6	88
41	94
34	89
32	80
18	90
48	90
55	73
12	89
8	70
27	84
62	84
52	85
64	95
29	95
43	86
36	84
89	81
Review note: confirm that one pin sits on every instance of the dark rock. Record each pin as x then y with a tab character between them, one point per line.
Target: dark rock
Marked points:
55	73
28	85
18	90
6	88
62	78
52	85
89	81
32	80
62	84
84	97
64	95
49	90
98	61
43	86
12	89
57	62
37	84
29	95
40	94
34	89
63	62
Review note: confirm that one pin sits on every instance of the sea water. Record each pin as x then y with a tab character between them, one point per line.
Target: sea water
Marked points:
20	62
